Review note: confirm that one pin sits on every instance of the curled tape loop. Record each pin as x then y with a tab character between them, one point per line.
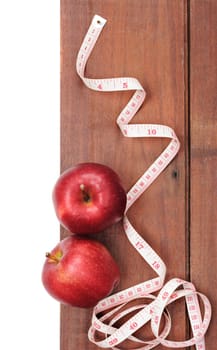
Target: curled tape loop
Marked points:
115	307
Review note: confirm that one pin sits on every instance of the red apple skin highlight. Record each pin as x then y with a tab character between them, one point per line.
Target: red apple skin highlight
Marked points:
80	272
89	198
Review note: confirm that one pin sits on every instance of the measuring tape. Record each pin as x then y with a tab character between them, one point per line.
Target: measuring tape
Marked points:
115	307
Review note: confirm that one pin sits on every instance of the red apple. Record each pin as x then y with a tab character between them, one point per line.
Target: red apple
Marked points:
80	272
88	198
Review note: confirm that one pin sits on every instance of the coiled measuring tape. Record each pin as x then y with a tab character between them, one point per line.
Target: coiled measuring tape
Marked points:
115	307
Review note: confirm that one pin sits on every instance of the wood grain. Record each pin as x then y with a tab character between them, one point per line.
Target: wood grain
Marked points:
203	174
146	40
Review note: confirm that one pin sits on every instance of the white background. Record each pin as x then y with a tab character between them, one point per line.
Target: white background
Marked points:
29	154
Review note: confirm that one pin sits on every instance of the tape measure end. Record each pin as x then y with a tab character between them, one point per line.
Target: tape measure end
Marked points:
99	21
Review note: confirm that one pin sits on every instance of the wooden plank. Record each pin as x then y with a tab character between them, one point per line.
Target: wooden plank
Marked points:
146	40
203	109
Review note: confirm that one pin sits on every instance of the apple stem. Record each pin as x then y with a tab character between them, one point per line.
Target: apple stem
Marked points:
52	257
86	196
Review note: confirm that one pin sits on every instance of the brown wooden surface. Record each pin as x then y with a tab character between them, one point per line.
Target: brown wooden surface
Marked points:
203	174
169	47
